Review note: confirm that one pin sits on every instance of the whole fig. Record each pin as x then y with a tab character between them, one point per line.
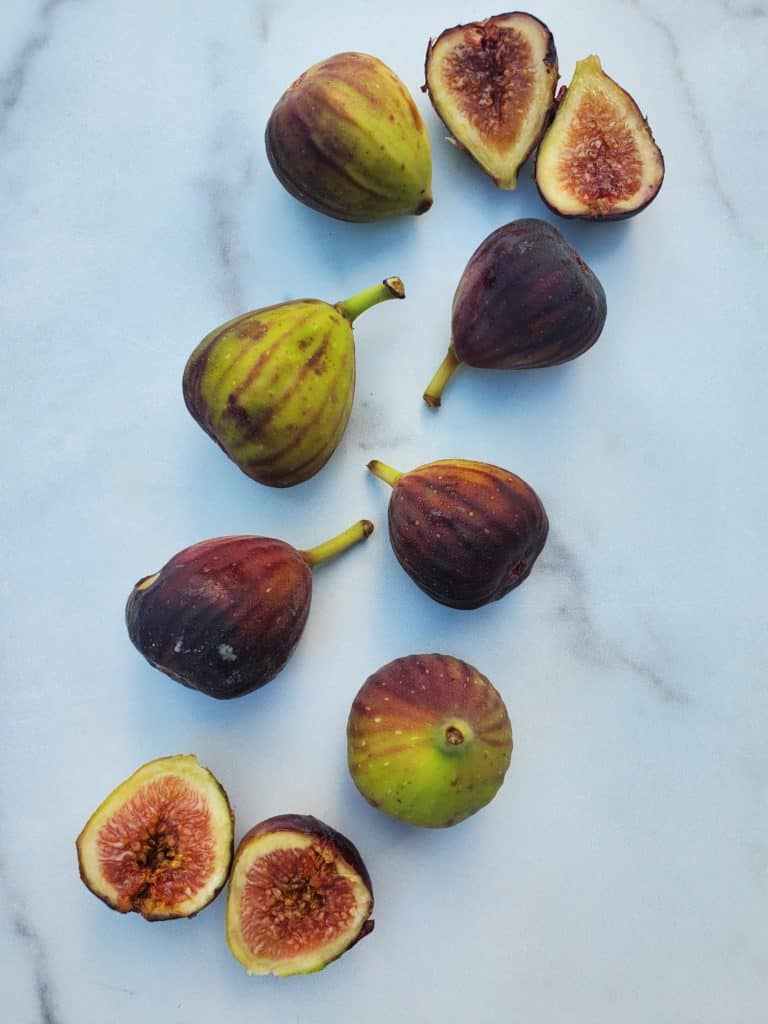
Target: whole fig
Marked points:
526	299
347	139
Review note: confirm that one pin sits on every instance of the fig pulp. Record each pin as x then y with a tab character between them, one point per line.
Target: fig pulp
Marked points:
598	159
299	896
465	532
274	387
347	139
161	843
526	299
225	615
428	740
492	83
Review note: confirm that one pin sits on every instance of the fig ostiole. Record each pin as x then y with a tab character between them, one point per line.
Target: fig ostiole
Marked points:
160	844
347	139
299	897
274	387
224	615
598	159
429	740
526	299
492	83
467	533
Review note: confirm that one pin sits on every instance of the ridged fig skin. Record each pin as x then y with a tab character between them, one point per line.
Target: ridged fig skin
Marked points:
467	533
222	616
526	299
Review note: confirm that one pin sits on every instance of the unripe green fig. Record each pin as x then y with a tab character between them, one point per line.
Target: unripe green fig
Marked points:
274	387
347	140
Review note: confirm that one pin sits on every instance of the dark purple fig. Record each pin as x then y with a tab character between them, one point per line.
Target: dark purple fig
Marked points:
465	532
224	615
526	299
299	896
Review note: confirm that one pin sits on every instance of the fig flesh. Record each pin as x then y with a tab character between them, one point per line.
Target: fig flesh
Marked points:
346	139
299	897
526	299
428	740
161	843
274	387
598	159
492	83
465	532
224	616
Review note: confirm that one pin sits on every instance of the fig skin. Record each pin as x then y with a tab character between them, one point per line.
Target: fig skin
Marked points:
526	299
274	387
150	817
467	533
347	140
224	615
298	831
428	740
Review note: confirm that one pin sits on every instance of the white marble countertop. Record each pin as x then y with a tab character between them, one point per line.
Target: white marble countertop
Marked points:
621	874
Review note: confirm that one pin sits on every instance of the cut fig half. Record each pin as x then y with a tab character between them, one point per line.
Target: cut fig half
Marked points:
299	896
161	843
598	159
492	83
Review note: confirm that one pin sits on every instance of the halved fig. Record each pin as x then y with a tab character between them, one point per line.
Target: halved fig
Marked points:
161	843
492	83
598	159
299	896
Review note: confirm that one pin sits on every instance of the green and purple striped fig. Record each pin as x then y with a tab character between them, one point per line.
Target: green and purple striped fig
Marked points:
274	387
299	897
465	532
428	740
347	140
224	616
526	299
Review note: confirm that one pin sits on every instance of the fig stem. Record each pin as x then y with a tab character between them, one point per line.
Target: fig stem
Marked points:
384	472
446	369
391	288
330	548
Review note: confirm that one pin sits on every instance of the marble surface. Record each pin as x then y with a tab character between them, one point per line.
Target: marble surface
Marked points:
621	875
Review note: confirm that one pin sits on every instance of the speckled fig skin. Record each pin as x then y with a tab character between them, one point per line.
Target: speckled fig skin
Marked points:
467	533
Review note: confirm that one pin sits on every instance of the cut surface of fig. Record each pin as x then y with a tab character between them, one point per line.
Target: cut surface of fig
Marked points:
598	159
299	896
492	83
161	843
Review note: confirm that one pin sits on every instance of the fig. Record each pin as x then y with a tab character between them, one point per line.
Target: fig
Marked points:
526	299
224	615
274	387
598	159
299	896
492	83
347	140
428	740
160	845
465	532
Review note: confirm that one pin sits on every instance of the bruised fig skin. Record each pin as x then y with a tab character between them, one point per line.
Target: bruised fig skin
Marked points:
492	83
299	897
224	616
160	844
599	159
467	533
526	299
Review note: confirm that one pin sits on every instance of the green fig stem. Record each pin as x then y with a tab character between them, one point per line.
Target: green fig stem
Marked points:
384	472
446	369
330	548
391	288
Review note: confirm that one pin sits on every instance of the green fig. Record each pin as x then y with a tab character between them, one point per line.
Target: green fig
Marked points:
347	139
274	387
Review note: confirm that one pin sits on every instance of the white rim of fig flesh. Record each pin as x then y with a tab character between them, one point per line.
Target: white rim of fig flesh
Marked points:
321	953
108	837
